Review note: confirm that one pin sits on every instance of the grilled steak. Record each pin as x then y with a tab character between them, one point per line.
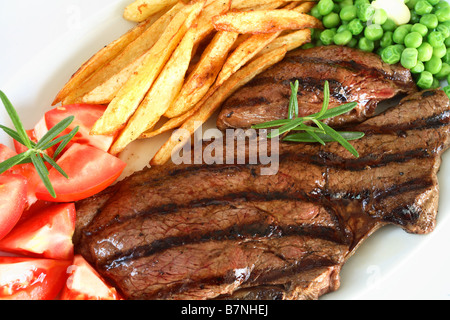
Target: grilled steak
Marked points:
353	75
228	232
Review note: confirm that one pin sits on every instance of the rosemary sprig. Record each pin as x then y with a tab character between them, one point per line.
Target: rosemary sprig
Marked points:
321	132
36	150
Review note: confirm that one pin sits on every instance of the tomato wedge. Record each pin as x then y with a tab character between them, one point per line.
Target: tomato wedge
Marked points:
85	117
84	283
90	171
31	279
13	199
47	234
26	170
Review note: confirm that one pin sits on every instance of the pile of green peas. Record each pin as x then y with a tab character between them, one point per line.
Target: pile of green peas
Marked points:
422	45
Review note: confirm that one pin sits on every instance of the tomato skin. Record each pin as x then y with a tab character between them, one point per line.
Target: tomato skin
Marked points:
31	279
90	171
13	199
85	117
84	283
46	234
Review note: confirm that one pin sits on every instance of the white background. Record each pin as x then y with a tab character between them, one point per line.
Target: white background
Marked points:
44	41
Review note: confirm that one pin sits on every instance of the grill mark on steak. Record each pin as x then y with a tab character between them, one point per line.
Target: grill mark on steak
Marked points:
353	75
154	241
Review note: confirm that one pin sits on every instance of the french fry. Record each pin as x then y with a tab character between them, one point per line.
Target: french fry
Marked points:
103	85
264	21
133	91
214	100
170	124
102	57
244	53
212	8
140	10
204	74
244	5
291	40
160	96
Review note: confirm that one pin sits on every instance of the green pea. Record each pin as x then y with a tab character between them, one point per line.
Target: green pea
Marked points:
447	42
342	38
355	26
400	34
411	4
365	12
425	51
348	13
379	17
326	36
391	54
444	29
415	18
373	32
389	25
308	45
315	12
425	80
386	39
418	68
366	45
436	38
325	7
444	72
345	3
423	7
342	27
353	43
440	51
443	14
409	58
429	20
413	40
420	28
446	57
435	83
331	20
433	2
447	90
441	4
433	65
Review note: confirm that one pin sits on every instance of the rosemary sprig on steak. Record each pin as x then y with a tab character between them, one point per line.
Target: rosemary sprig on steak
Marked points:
313	129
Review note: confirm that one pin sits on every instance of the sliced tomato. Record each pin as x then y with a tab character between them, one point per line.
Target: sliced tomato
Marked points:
85	117
90	171
26	170
31	279
13	200
47	234
84	283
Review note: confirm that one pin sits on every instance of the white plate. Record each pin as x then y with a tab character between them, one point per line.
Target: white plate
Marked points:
45	41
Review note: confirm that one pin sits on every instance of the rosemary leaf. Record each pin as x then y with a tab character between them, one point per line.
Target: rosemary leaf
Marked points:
42	172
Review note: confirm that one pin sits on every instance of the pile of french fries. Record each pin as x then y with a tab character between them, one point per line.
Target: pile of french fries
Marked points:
181	61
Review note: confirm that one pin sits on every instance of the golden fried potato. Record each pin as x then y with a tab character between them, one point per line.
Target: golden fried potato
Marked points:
140	10
160	96
133	91
291	40
213	101
204	73
103	85
102	57
264	21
